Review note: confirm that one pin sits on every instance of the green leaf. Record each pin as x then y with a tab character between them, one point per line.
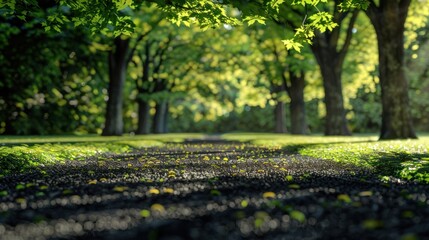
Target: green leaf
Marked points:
292	44
244	203
372	224
145	213
252	19
345	198
215	192
297	215
275	4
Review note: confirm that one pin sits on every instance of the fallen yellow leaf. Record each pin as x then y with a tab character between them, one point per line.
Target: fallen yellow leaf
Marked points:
119	189
168	190
154	191
92	182
157	207
269	195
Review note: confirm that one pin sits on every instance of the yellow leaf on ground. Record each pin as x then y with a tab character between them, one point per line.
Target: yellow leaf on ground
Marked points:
119	189
154	191
168	190
365	194
345	198
157	207
92	182
269	195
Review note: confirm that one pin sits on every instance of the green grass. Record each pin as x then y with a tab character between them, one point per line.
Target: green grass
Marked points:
173	137
403	159
19	154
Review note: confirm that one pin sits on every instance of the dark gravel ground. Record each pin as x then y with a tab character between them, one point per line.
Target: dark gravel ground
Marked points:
212	190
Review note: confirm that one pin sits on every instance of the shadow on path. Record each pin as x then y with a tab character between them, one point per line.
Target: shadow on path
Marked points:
209	190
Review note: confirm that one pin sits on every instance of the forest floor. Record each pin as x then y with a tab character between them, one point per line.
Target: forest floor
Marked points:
210	190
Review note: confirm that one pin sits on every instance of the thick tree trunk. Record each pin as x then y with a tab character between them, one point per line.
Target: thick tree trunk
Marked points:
117	73
143	125
279	109
143	117
297	104
280	115
330	67
389	20
330	55
160	117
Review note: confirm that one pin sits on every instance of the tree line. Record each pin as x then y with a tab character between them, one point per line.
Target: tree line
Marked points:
154	52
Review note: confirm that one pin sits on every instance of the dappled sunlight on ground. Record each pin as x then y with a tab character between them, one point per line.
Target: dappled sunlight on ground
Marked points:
209	190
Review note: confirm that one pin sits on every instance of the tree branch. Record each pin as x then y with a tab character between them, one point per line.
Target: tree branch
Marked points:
139	39
349	34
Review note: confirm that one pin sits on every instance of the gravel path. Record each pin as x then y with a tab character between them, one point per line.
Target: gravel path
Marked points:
212	190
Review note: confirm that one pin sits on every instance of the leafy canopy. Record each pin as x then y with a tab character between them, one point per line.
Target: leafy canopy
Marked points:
115	15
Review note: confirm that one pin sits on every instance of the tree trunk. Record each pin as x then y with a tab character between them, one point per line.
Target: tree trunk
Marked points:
159	118
117	73
144	117
389	19
166	117
330	67
280	115
330	55
143	125
297	104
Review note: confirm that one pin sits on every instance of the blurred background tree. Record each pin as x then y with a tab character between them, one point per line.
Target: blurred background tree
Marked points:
151	69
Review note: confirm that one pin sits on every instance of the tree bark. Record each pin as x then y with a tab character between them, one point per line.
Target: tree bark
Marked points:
279	109
388	20
160	117
297	103
117	73
280	115
335	120
330	55
167	105
143	125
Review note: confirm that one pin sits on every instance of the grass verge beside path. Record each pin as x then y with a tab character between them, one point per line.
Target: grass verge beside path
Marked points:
402	159
19	154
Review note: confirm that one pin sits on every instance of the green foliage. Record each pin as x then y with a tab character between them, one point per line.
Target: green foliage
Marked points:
292	44
114	16
417	68
366	110
42	71
352	4
55	82
309	2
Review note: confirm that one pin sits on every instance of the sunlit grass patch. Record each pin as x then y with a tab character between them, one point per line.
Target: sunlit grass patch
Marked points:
141	143
273	139
18	157
404	159
172	137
